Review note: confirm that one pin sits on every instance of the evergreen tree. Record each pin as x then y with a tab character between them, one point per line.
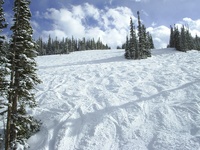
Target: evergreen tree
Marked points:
150	41
171	41
82	44
56	44
138	48
146	43
41	48
4	70
66	48
73	46
93	45
3	60
176	38
141	44
62	46
132	43
127	52
189	40
20	125
197	42
183	40
131	49
49	46
67	45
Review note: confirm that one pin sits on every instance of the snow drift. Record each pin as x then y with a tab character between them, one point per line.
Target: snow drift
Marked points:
97	100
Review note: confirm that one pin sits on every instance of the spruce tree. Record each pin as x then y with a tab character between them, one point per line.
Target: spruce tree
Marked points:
127	52
141	44
40	49
132	42
4	70
23	78
131	48
150	41
66	48
197	42
176	38
138	48
67	45
3	60
189	40
49	46
183	40
171	40
146	43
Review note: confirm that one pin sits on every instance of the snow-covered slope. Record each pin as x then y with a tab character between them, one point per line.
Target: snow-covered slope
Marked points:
97	100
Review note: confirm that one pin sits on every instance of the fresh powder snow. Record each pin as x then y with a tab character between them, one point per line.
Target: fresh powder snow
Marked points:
98	100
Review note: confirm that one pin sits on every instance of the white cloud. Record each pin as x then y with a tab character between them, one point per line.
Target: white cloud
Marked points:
34	24
140	0
78	12
111	25
54	33
160	36
118	17
65	21
91	11
194	25
153	24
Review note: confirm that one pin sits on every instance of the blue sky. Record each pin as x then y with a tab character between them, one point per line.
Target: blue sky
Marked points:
109	19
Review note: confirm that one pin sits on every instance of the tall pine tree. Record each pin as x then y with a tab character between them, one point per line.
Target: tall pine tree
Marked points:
133	41
141	43
189	40
4	70
183	40
197	42
150	41
171	40
3	60
20	125
138	48
146	43
127	50
176	38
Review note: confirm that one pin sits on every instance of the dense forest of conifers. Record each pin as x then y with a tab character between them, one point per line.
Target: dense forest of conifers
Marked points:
67	45
182	40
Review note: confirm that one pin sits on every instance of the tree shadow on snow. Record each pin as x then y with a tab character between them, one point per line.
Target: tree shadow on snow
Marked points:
98	115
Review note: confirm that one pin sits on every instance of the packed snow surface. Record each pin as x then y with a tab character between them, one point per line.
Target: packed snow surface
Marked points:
97	100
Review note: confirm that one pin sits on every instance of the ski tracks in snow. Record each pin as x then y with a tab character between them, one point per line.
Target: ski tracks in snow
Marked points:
105	104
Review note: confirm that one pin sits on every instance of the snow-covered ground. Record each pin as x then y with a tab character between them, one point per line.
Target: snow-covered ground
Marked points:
97	100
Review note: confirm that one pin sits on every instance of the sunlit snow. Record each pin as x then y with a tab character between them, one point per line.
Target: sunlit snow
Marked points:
97	100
